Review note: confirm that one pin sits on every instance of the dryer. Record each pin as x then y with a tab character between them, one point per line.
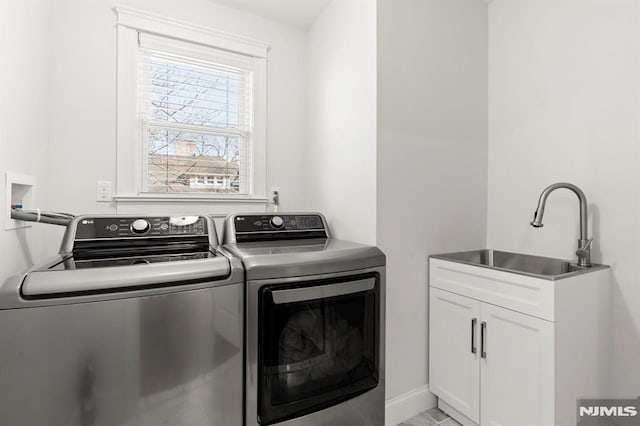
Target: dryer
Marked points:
315	315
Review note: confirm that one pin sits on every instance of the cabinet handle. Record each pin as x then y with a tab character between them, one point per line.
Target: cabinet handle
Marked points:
483	337
474	349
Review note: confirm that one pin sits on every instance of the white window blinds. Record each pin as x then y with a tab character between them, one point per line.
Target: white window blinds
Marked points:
195	110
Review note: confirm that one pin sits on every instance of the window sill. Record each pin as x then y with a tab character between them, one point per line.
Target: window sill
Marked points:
189	198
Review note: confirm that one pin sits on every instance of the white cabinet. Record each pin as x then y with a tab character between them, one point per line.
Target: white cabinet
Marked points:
516	369
508	349
453	332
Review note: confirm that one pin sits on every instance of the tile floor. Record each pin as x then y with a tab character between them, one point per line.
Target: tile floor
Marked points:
431	417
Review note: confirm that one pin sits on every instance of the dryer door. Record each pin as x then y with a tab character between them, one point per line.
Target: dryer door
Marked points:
318	345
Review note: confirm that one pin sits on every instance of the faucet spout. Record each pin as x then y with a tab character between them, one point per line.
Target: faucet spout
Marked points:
584	243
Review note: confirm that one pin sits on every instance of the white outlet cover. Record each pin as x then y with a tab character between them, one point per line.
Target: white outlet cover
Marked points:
103	190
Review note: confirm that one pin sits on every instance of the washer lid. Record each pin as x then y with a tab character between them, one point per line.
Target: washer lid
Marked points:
265	260
72	282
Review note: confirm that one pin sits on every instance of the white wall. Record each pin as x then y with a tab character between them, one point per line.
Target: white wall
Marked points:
564	106
432	155
23	123
83	101
341	143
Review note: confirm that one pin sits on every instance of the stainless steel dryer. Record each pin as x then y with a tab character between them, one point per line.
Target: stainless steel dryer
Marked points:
137	321
315	309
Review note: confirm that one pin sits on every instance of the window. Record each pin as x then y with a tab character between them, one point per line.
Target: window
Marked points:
191	111
195	112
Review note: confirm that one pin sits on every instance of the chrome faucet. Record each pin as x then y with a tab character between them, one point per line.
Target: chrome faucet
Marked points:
584	243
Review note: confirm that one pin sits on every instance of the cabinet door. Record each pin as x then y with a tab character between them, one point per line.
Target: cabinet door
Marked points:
516	368
454	350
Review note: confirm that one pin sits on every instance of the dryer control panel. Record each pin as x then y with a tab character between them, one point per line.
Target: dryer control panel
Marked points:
273	227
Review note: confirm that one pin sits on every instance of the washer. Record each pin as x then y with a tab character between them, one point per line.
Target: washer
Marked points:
137	321
315	315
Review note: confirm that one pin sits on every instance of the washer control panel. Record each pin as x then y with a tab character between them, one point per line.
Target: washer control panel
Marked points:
131	227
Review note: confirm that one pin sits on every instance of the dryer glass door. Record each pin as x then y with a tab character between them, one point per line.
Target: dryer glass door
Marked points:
318	345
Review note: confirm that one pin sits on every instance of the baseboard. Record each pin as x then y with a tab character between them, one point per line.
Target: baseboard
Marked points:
407	405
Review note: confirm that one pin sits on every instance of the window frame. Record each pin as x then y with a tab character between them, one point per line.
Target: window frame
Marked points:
129	135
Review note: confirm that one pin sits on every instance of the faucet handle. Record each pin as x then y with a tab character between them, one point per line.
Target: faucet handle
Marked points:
584	251
587	245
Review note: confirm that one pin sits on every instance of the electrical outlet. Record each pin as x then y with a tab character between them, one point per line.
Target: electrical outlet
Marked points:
103	190
274	199
274	196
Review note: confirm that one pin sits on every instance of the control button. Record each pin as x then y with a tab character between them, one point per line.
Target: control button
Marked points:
140	226
113	227
277	222
258	223
164	226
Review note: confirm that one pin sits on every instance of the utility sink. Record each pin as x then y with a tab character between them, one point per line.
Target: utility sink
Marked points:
525	264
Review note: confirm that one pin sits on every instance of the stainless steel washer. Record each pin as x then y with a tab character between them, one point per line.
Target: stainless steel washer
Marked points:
315	312
137	321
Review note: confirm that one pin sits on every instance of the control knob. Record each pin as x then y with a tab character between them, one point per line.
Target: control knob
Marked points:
277	222
140	226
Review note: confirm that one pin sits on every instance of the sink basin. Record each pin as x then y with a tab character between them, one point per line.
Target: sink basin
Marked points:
537	266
